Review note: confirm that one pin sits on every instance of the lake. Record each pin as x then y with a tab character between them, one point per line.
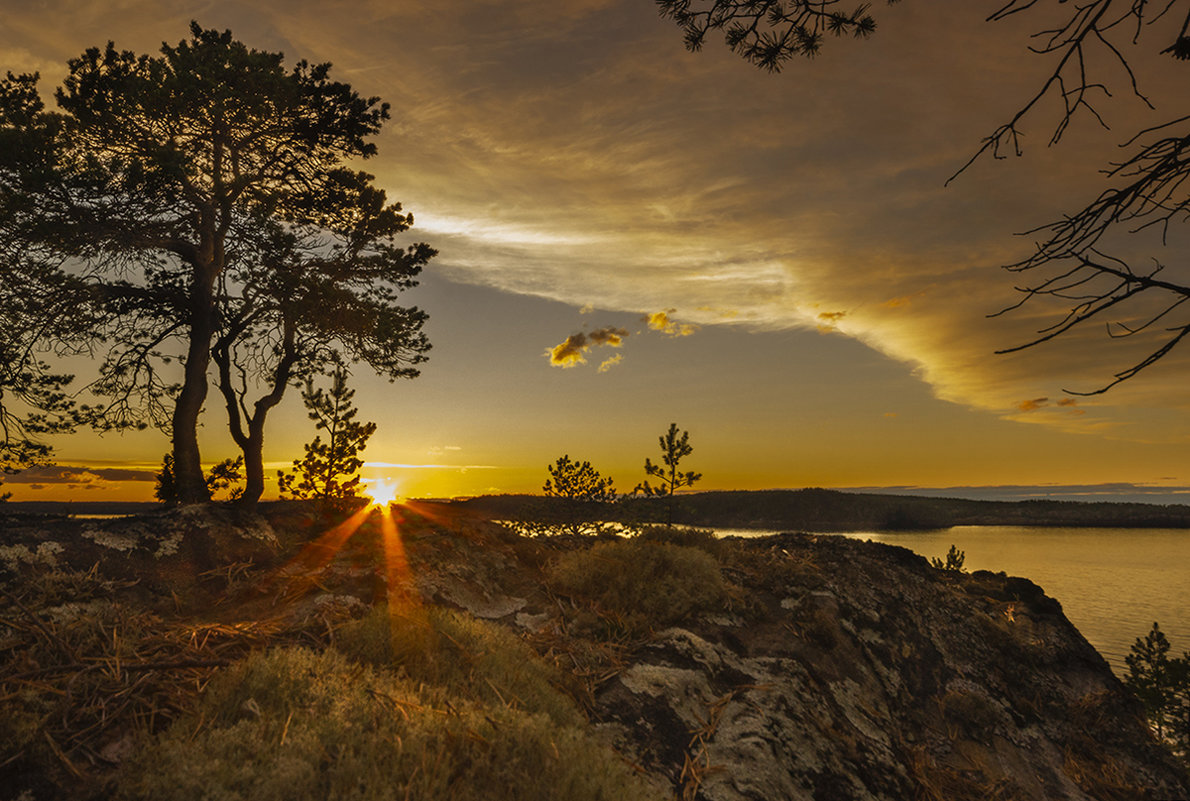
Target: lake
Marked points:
1112	582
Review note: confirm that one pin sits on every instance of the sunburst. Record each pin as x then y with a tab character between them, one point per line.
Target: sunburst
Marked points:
383	493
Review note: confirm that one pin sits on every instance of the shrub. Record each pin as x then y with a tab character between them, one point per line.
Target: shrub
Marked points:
648	584
292	725
702	538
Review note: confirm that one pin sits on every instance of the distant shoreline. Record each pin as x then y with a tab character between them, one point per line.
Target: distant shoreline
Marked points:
784	510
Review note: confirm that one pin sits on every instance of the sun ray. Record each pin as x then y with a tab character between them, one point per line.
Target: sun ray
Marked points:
301	572
398	577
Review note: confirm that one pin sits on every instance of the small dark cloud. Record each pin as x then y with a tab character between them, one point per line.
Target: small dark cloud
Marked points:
571	353
829	321
1033	404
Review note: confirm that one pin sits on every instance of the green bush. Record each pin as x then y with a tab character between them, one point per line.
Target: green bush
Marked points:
469	658
648	584
293	725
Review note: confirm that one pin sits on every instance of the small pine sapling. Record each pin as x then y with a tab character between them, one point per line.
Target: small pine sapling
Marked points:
673	449
954	560
330	470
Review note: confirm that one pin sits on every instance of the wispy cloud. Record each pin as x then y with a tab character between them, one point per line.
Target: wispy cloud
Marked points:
610	362
409	466
438	450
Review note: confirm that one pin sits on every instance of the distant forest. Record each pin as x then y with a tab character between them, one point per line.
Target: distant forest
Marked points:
830	510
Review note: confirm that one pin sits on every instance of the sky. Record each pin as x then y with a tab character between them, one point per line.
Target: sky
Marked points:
631	234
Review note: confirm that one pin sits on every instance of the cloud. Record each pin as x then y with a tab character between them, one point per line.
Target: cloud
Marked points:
659	321
1033	404
78	476
611	362
608	336
570	353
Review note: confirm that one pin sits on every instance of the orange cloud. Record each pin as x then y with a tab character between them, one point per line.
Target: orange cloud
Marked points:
659	321
1032	405
570	353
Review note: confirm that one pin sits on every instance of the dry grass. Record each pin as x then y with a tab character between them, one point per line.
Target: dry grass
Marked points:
81	675
294	725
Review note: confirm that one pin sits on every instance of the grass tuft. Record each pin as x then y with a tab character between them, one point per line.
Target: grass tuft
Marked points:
644	584
469	658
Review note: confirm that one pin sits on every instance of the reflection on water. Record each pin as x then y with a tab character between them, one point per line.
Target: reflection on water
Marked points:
1112	582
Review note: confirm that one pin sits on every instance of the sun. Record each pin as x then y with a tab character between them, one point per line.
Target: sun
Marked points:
383	493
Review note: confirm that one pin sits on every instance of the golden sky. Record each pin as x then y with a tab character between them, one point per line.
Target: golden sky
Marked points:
631	234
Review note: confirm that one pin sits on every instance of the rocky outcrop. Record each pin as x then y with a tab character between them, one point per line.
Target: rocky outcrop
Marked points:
856	671
837	670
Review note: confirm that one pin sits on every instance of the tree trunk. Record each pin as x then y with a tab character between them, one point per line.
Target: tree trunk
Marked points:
192	485
253	464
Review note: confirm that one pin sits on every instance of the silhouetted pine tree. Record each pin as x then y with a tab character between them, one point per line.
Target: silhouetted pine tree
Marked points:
673	449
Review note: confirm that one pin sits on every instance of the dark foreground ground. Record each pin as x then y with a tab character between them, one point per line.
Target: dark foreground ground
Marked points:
201	653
